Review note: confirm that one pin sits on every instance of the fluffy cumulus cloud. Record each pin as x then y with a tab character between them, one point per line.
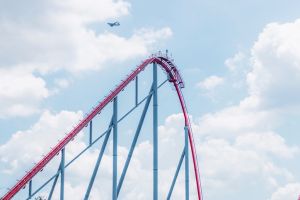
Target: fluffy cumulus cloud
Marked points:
21	91
271	70
210	82
38	139
237	119
235	62
228	168
243	141
54	34
210	85
276	65
239	66
289	191
49	36
35	141
224	164
239	147
229	163
59	35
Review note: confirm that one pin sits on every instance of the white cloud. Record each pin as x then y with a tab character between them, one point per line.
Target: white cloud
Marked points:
210	82
235	144
242	141
93	54
268	142
20	92
62	83
227	165
43	37
38	139
234	63
87	11
276	65
60	37
289	191
239	67
238	119
223	164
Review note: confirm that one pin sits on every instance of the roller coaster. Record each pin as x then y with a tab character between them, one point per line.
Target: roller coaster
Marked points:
174	78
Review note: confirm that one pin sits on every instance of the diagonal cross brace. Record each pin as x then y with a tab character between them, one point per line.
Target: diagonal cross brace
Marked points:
88	191
137	133
54	183
176	174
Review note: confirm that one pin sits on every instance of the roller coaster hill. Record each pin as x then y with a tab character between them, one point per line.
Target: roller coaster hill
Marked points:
56	182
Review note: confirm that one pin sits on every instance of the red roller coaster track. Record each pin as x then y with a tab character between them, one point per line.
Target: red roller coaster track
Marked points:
173	76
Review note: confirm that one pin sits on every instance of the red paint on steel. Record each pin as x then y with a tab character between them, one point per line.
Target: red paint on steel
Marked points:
192	143
173	76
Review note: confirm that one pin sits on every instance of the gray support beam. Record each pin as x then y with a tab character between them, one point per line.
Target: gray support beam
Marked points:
30	189
115	149
62	175
155	134
186	150
91	133
136	90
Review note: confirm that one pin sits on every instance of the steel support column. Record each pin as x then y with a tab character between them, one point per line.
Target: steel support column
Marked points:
136	90
186	153
30	189
137	133
115	149
91	133
155	134
62	174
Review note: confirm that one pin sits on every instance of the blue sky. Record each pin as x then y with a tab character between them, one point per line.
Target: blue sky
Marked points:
240	62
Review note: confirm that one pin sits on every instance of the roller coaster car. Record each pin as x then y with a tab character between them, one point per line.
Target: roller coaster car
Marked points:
112	24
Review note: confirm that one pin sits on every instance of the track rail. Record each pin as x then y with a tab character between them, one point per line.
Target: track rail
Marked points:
174	77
